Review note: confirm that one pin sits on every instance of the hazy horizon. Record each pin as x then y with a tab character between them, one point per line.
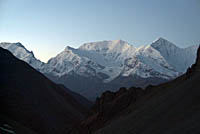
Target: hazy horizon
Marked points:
47	28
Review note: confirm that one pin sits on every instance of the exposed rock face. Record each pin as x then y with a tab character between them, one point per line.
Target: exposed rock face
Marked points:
111	103
195	67
109	106
197	64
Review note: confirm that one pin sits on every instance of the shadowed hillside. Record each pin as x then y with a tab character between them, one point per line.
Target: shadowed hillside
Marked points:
28	98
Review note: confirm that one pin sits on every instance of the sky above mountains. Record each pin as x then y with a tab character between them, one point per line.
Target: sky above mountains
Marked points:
47	27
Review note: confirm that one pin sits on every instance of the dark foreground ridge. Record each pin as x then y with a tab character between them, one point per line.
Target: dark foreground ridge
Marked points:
170	108
30	103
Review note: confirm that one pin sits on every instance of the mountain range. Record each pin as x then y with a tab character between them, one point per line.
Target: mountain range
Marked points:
108	65
169	108
32	104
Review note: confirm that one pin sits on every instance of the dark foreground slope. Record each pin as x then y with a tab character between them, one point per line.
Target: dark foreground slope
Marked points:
30	100
170	108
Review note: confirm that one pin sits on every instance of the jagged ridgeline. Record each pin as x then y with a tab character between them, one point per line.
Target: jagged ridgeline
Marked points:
109	65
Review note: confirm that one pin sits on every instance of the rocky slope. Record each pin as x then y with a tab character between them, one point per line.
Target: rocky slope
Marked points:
169	108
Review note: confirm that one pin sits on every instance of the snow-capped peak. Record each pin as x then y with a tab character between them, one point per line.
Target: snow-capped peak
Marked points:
113	52
159	39
115	45
161	42
19	44
178	58
113	58
18	50
106	64
67	48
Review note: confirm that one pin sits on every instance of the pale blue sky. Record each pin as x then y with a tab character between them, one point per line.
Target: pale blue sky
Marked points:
47	26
